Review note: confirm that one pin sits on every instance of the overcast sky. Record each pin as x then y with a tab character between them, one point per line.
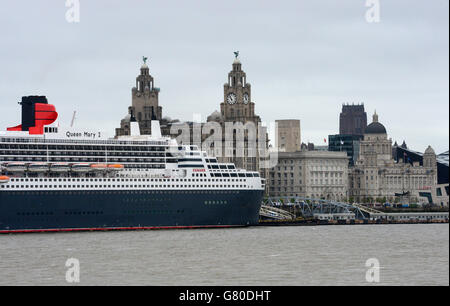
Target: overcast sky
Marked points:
302	58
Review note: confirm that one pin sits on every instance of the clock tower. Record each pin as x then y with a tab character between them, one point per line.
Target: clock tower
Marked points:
237	105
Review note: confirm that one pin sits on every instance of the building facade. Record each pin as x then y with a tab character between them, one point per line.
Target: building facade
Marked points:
288	137
312	174
144	104
238	108
376	176
352	120
409	156
345	143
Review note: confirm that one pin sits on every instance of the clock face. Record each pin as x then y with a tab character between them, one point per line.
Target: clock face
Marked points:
246	98
231	98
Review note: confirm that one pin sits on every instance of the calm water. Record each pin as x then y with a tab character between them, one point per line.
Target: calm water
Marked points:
319	255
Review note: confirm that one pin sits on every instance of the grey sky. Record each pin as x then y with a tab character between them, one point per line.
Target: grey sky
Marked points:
303	59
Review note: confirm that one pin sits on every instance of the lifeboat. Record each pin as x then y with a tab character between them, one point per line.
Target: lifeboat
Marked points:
4	179
83	167
99	167
38	167
60	167
115	167
16	167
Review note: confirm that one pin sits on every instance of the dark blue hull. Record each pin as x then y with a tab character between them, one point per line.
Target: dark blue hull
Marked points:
127	209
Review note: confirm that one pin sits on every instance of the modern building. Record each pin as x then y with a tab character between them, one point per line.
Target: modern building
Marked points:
144	104
288	137
443	169
312	174
352	120
436	195
345	143
376	176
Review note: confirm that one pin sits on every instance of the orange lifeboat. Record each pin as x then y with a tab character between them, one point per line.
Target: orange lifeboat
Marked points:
115	167
99	167
4	179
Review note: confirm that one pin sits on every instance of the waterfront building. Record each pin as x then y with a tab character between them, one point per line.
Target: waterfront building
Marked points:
345	143
352	120
144	104
238	107
407	155
288	137
376	176
313	174
436	195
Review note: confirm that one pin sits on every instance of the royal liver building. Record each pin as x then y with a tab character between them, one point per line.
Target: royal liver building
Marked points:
243	139
144	104
377	176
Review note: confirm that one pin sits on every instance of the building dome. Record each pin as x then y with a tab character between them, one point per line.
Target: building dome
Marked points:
375	127
215	116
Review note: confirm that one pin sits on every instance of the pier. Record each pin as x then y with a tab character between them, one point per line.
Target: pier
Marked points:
309	211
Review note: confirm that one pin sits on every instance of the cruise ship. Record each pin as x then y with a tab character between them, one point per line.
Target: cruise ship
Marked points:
55	179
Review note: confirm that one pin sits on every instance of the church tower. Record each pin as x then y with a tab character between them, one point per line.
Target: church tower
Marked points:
144	104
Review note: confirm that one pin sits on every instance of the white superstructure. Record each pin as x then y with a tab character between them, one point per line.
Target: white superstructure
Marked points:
77	160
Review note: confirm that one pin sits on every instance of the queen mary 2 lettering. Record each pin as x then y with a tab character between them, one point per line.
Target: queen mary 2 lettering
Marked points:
55	180
83	135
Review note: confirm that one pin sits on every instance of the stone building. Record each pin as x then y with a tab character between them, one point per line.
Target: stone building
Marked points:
312	174
376	176
144	104
288	136
236	117
238	108
352	120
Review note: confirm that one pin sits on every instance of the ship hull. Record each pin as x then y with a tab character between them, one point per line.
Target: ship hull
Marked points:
37	211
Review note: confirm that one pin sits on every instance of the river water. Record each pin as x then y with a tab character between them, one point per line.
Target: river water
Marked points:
416	254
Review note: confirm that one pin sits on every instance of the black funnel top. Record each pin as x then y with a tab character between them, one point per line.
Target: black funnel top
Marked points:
28	110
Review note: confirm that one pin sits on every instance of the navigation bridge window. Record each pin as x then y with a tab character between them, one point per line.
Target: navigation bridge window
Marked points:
51	130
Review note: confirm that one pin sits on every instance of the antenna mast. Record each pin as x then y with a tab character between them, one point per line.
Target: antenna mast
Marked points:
73	118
